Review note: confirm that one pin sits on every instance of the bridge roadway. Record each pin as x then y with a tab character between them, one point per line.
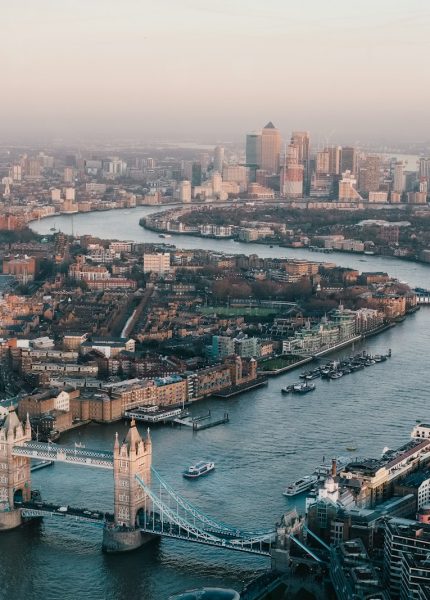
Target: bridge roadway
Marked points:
44	509
88	457
154	524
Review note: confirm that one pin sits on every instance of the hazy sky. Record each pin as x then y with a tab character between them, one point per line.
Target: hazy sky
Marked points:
215	69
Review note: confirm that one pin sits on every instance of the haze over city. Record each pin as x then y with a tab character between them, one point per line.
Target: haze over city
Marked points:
207	71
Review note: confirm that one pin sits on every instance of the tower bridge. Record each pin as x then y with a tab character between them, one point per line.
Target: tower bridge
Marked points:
145	505
76	456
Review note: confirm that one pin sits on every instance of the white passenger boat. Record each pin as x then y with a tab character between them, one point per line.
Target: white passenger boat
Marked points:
199	469
301	485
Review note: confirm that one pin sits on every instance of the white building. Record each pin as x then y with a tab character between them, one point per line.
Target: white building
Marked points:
158	263
70	194
236	174
185	191
347	187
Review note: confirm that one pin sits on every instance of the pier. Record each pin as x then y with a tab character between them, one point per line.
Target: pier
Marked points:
199	425
201	422
154	414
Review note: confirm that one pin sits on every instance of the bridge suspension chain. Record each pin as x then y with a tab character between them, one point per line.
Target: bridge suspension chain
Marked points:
217	526
257	544
175	517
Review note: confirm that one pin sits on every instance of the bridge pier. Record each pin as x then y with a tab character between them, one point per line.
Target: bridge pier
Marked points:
291	524
15	476
117	539
10	519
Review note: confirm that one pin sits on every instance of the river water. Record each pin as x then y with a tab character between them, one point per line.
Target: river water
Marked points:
270	440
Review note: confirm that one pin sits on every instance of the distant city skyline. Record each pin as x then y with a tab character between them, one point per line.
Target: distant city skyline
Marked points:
193	70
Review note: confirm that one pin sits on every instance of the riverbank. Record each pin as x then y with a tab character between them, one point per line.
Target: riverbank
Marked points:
307	359
124	224
167	222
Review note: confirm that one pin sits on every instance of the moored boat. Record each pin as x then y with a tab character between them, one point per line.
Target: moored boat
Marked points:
303	388
301	485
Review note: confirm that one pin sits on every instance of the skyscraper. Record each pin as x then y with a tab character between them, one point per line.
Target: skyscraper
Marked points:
424	168
322	163
370	174
270	148
292	173
301	140
333	159
348	159
398	178
253	150
218	158
196	174
185	191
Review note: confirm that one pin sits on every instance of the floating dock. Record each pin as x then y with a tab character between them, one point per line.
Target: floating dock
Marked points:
201	422
154	414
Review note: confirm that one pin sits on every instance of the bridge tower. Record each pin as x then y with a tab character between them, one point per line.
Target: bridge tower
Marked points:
15	475
130	458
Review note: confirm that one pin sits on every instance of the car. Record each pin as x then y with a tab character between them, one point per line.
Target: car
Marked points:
62	509
87	512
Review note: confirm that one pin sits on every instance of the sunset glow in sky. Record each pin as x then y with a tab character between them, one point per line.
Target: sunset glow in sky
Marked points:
177	68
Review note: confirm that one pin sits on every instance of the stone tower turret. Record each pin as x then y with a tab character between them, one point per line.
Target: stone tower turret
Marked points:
15	475
132	457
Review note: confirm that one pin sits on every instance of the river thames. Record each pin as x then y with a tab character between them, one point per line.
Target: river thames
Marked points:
270	441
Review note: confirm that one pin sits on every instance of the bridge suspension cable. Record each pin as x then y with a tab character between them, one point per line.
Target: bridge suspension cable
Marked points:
212	524
168	522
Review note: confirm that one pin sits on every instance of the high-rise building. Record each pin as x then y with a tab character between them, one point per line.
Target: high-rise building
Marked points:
347	185
187	169
370	174
68	175
401	573
56	195
33	168
292	173
398	177
424	168
270	148
333	159
322	164
218	159
70	194
185	191
216	183
253	150
196	174
205	160
16	172
301	140
348	159
237	174
352	573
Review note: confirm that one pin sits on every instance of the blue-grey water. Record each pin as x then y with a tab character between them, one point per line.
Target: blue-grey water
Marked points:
271	439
